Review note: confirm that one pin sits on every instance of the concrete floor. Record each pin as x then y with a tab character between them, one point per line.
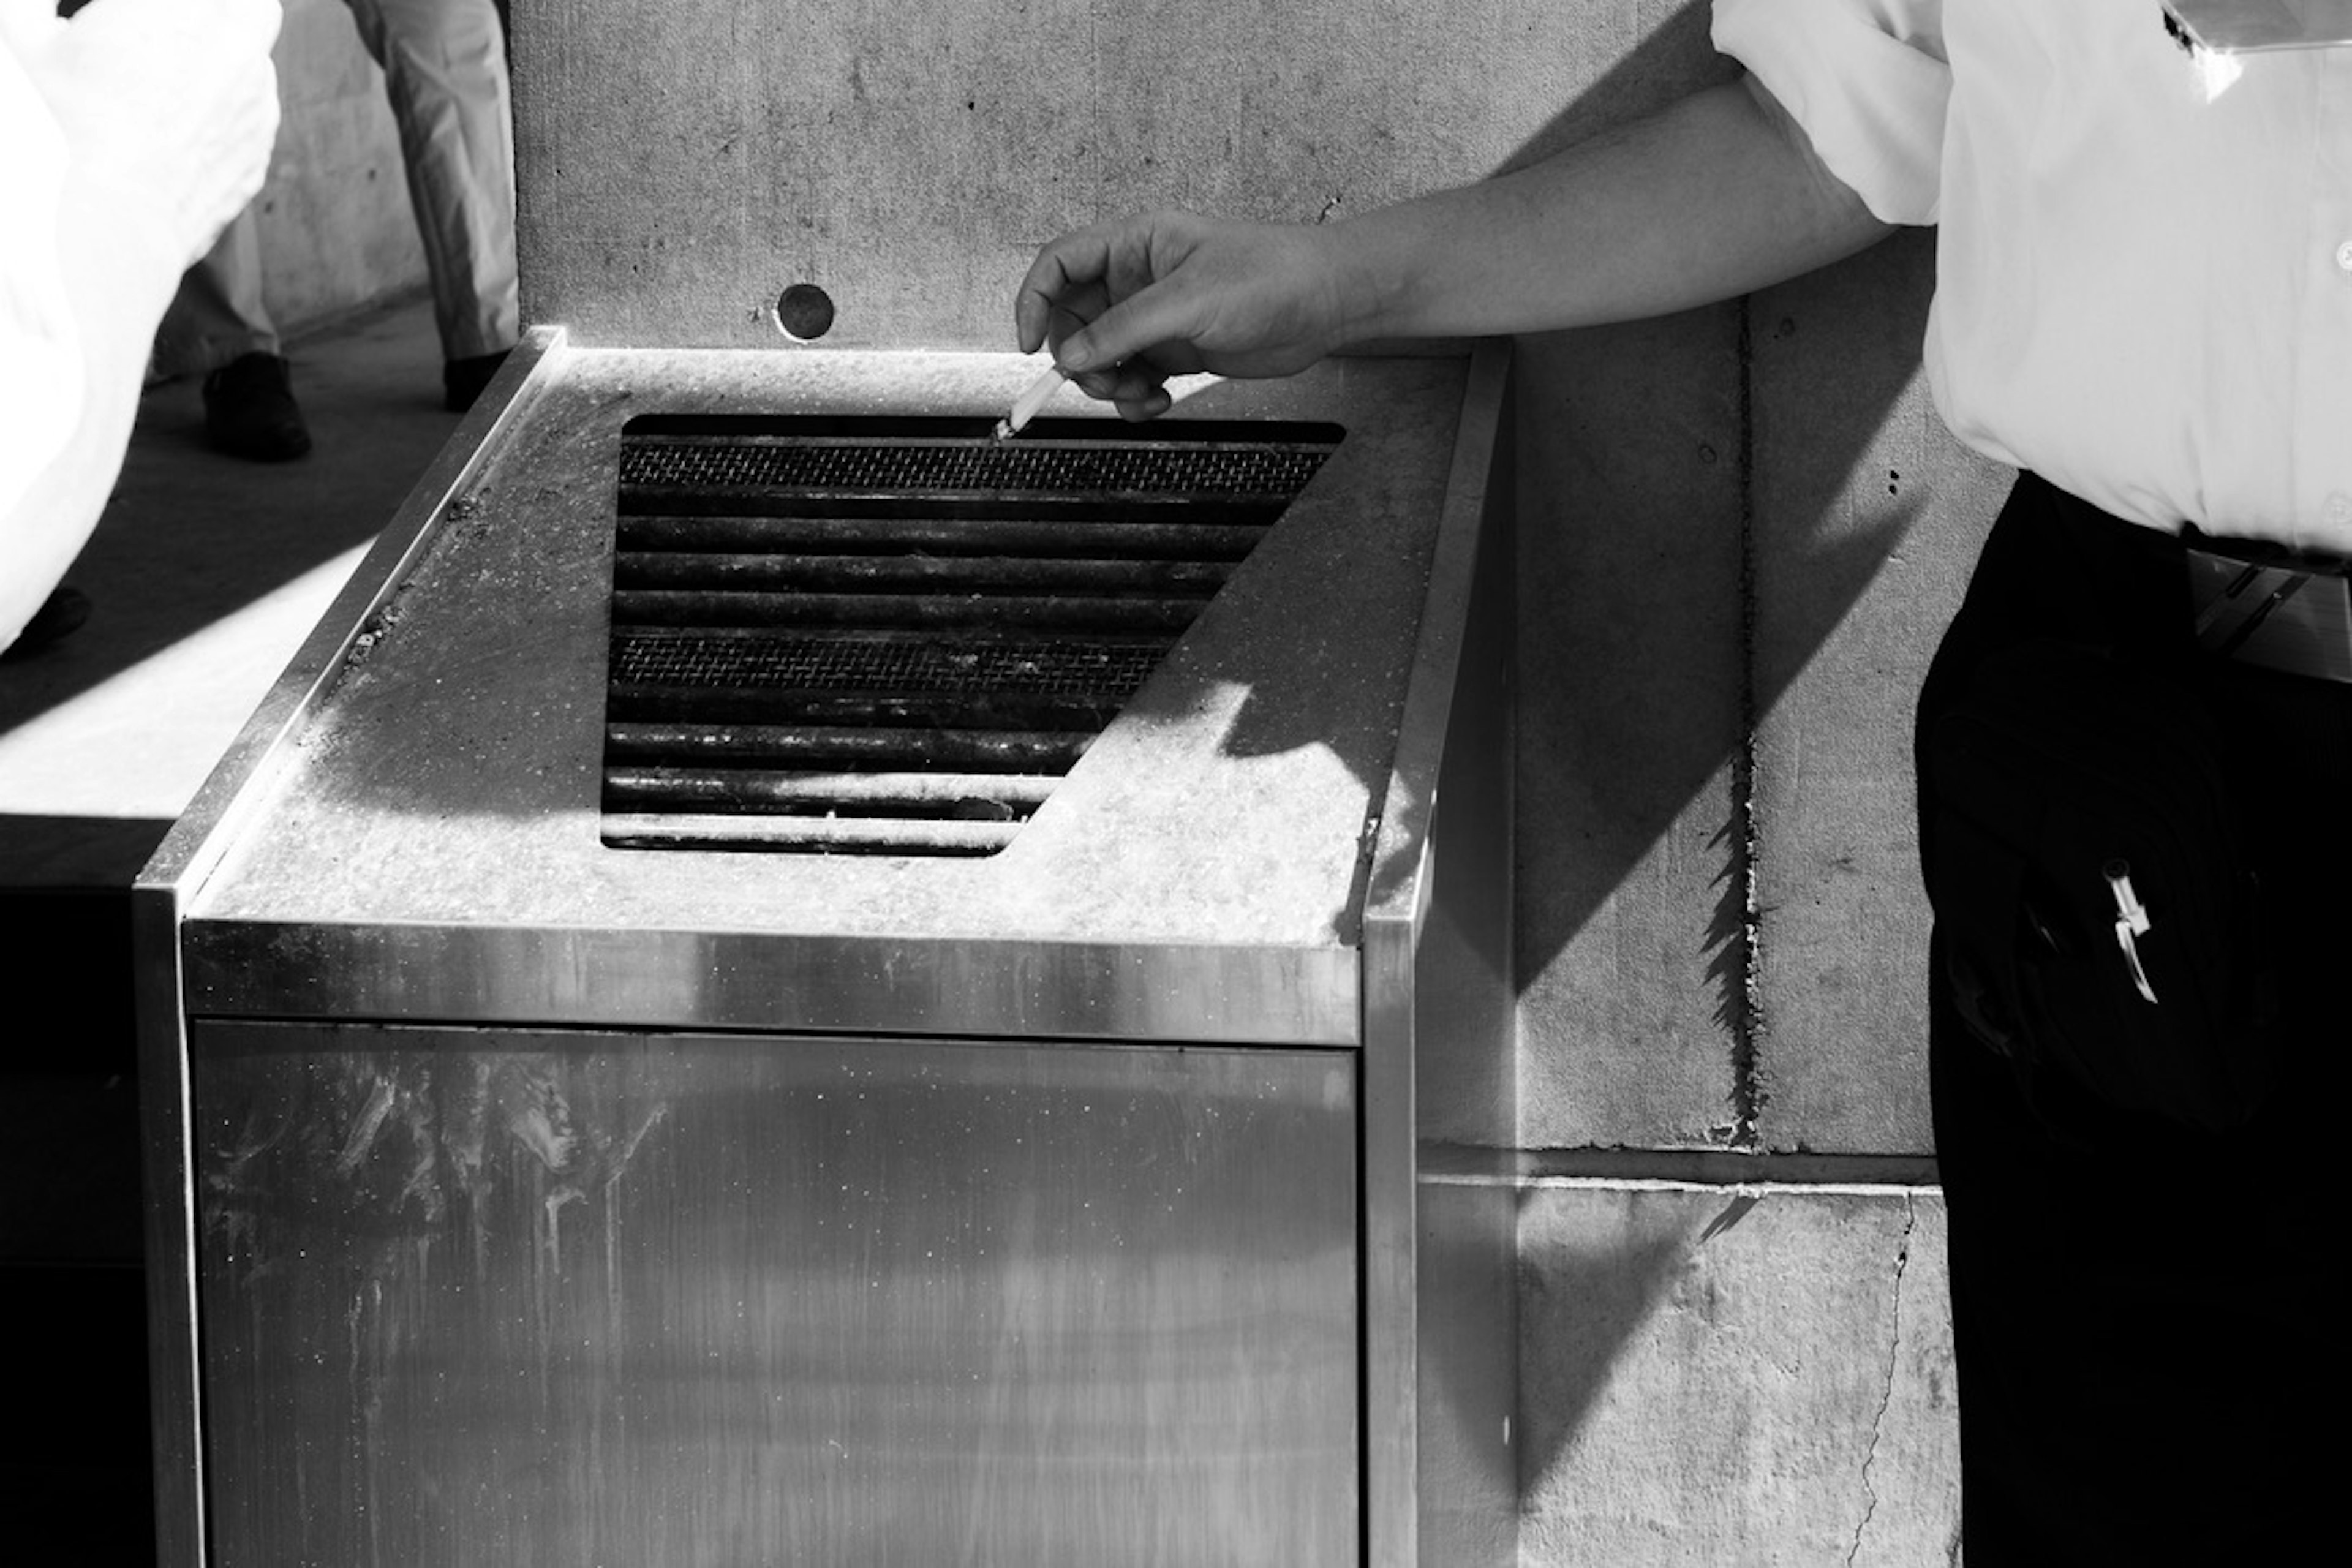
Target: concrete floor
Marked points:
206	573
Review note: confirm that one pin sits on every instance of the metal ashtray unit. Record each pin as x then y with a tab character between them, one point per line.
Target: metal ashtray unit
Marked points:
781	981
530	1194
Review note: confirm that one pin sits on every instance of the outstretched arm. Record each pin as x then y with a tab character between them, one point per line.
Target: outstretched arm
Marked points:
1719	195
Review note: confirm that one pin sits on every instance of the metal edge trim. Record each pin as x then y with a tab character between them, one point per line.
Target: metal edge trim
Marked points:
1269	996
2255	27
1409	802
196	843
1397	905
175	1405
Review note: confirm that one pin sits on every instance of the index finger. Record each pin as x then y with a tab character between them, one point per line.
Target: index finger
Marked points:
1064	271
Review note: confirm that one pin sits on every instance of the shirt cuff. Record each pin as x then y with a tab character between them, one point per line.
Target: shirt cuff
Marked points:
1865	78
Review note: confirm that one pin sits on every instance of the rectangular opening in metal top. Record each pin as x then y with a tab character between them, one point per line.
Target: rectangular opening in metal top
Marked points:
839	634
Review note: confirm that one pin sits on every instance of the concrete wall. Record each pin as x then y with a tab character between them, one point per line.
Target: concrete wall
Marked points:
1720	1378
336	230
1742	529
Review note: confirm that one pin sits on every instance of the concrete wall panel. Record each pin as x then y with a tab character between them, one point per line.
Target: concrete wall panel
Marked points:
1868	518
1629	949
1724	1376
681	163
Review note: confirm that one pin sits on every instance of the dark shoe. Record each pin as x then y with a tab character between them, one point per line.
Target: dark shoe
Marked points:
62	612
462	380
249	410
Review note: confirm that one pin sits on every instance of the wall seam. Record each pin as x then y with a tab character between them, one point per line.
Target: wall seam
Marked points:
1747	1022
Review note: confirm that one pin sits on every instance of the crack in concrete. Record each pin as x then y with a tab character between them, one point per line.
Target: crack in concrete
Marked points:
1886	1394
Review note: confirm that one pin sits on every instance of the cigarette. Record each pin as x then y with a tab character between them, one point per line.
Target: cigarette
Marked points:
1024	407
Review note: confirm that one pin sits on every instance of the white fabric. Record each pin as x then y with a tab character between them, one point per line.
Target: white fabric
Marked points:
127	136
2144	267
40	345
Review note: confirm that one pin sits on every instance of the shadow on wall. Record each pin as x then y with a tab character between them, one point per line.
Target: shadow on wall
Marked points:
1637	685
1605	1294
1641	677
1710	1376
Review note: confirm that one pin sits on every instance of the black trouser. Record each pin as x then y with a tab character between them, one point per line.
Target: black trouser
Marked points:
2148	1354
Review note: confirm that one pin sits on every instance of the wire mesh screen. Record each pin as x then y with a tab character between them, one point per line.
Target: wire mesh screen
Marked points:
882	665
1036	464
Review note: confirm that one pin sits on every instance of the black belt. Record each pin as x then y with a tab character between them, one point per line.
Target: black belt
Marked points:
2264	605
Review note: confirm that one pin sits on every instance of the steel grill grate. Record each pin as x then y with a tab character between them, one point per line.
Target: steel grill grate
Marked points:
843	635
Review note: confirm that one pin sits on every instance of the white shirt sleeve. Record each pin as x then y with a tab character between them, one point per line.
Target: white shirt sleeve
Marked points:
41	393
1867	81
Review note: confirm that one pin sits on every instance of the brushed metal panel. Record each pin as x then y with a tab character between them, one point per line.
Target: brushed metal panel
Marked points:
1465	1087
522	1297
670	979
1438	1041
2233	25
175	1424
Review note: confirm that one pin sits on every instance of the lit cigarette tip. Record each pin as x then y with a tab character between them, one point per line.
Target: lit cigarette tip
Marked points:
1024	407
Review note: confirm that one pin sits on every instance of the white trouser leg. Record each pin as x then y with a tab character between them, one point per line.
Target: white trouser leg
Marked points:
444	66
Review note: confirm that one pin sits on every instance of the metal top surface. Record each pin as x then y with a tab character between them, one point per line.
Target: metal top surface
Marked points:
448	775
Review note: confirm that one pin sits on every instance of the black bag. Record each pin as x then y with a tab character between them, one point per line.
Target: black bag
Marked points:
2094	909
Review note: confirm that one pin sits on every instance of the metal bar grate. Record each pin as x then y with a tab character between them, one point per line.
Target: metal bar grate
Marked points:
896	636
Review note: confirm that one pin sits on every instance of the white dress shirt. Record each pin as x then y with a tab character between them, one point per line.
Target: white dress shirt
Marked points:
2144	259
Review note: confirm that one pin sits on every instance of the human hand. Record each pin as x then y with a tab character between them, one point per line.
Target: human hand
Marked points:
1125	305
169	106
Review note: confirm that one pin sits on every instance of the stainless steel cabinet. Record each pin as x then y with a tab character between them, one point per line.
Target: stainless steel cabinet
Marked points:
527	1296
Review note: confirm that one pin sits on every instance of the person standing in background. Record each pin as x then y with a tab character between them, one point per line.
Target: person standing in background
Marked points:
444	71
